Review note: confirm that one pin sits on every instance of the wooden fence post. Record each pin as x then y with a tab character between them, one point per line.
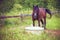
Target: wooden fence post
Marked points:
21	17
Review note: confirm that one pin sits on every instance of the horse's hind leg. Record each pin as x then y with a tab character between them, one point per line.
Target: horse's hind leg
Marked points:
44	22
41	21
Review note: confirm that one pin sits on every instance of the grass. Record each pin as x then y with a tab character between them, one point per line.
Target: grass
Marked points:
15	30
53	23
14	27
17	33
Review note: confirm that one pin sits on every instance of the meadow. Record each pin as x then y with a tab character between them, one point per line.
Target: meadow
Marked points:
14	28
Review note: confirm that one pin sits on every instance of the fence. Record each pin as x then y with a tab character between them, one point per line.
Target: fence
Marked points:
2	18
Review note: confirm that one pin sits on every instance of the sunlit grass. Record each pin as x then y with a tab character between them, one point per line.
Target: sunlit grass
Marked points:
14	27
18	33
53	23
15	30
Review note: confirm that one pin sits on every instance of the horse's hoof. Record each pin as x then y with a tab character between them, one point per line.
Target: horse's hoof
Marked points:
38	25
33	26
42	26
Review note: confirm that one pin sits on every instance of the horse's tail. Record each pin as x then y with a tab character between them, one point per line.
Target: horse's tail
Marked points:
49	12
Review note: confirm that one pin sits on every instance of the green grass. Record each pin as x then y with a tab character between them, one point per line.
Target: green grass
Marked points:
18	33
14	27
53	23
15	30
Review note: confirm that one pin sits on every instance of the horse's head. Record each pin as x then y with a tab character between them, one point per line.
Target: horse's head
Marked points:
35	8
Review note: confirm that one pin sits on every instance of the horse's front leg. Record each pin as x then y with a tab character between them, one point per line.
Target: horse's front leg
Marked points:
39	22
33	23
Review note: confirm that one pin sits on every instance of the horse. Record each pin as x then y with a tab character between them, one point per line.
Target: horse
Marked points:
39	14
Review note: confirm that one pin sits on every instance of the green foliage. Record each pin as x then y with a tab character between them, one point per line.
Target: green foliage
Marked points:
6	5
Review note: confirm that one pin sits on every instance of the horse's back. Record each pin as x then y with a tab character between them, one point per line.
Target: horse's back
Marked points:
42	12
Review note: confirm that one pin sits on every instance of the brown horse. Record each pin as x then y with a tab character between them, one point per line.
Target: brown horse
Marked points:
39	14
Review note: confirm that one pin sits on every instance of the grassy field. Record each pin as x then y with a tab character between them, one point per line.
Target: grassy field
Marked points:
18	34
53	23
14	28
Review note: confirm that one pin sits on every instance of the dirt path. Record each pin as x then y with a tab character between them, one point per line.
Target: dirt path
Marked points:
53	32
